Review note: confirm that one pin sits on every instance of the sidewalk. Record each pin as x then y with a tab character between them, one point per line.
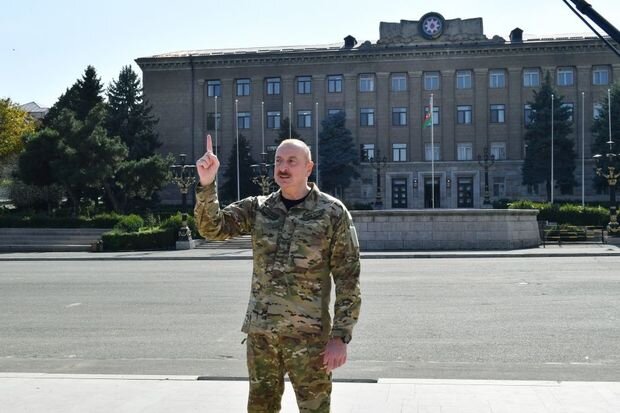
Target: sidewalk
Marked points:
50	393
564	250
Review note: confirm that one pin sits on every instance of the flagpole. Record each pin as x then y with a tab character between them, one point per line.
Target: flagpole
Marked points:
237	133
432	155
216	127
552	181
316	139
611	142
583	151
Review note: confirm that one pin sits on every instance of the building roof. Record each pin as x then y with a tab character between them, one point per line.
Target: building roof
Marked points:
33	107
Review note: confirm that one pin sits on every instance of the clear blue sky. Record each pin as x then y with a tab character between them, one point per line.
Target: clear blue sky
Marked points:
46	45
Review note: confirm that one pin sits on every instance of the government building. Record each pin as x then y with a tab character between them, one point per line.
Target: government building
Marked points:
480	88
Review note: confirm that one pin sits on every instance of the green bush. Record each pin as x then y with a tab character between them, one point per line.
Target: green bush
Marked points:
174	223
150	239
129	223
566	213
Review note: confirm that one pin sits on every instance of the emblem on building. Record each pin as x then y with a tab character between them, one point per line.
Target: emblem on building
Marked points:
431	25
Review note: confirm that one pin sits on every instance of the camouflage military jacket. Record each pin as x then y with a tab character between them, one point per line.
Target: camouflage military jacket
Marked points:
296	255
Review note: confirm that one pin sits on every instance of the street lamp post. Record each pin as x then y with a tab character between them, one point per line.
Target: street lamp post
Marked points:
263	173
606	167
184	176
378	163
486	161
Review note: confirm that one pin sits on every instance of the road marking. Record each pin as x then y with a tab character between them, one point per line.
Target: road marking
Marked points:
73	305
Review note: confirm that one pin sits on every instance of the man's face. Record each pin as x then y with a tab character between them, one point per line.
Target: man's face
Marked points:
292	167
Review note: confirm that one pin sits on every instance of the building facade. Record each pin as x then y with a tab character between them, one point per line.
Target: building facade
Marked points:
480	89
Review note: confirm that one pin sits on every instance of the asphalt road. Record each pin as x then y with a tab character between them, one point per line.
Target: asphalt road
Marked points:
504	318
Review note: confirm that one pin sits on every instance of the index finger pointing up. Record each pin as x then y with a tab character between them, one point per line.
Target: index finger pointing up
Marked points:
209	144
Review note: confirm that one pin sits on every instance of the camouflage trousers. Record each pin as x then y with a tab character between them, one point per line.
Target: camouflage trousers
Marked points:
270	356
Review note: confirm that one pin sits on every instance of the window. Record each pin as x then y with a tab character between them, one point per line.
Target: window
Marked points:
597	110
334	84
304	85
498	150
565	76
497	79
273	86
243	120
399	116
528	114
498	113
367	83
428	152
214	88
213	121
243	87
464	152
600	75
431	81
499	186
367	117
435	114
569	107
463	115
463	79
367	152
304	119
399	82
334	111
531	77
399	152
273	120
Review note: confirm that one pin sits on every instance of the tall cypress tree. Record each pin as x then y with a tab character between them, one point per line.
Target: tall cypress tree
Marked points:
537	165
283	132
338	155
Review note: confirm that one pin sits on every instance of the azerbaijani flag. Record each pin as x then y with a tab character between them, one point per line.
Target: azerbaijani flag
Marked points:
428	119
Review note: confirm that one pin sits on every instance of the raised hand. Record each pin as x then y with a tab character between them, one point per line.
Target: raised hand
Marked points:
208	165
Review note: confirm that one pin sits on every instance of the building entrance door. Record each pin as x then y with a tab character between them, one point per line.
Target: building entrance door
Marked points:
465	187
399	193
428	192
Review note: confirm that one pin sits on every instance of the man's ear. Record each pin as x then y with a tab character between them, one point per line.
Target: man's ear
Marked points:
309	167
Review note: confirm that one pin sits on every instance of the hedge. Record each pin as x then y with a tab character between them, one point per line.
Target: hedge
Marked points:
45	221
566	213
151	239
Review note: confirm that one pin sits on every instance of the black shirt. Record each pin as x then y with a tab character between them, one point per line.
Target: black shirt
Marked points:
290	203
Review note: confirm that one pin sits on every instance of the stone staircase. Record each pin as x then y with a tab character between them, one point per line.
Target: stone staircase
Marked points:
48	239
243	242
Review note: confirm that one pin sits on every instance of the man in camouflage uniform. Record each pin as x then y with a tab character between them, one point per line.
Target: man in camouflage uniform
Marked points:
301	239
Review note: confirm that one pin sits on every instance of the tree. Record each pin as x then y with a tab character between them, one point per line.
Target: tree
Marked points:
129	117
247	187
283	132
81	97
79	155
338	155
15	124
600	129
537	164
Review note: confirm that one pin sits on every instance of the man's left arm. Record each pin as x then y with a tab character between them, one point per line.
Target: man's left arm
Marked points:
345	269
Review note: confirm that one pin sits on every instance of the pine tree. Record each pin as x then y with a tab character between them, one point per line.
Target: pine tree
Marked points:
89	94
129	117
283	132
338	155
228	190
537	163
600	129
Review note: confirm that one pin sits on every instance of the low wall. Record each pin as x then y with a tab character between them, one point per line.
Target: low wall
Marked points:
446	229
